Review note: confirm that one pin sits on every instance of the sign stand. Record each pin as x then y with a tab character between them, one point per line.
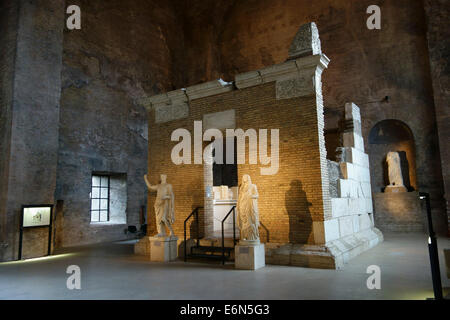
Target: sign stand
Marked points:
29	226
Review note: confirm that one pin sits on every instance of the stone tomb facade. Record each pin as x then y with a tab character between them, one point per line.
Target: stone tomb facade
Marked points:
302	222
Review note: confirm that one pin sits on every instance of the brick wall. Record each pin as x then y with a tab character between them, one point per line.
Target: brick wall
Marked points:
438	36
290	200
33	109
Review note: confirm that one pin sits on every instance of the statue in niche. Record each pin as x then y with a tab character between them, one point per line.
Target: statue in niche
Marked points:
247	210
394	173
164	205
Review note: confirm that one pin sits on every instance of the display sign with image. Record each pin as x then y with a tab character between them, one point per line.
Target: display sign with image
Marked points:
36	216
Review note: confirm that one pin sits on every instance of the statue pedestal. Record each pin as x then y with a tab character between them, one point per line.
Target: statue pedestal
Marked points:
142	247
163	249
399	212
395	189
249	255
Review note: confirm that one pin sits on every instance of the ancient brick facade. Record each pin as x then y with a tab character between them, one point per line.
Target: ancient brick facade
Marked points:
295	204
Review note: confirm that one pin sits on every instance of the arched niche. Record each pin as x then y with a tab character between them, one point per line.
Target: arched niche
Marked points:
391	135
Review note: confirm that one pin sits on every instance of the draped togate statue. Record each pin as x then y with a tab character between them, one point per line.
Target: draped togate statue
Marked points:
247	210
394	173
164	205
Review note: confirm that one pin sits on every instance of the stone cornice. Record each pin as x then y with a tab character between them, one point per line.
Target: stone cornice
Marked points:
207	89
298	68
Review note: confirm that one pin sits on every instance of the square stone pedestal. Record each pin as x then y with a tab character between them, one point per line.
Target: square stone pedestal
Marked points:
163	249
249	255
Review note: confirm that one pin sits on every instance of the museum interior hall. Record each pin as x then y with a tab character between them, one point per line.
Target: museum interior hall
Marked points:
181	149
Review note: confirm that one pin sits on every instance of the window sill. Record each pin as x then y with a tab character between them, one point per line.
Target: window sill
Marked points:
108	224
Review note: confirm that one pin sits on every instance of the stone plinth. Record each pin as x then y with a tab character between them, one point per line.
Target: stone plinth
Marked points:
333	255
163	249
399	212
249	255
395	189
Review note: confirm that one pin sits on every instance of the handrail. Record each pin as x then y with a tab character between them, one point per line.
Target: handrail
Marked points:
223	233
195	211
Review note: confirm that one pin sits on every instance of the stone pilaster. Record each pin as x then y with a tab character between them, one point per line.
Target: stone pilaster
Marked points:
438	36
34	126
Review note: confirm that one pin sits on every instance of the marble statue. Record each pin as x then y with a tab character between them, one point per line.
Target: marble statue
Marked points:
394	169
394	173
247	210
164	205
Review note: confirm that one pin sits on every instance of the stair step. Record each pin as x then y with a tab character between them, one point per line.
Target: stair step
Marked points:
207	256
216	242
212	249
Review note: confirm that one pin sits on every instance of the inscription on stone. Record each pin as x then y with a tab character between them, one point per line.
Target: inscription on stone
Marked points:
243	250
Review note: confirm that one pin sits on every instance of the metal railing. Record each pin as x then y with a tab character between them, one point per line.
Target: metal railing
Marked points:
194	212
233	209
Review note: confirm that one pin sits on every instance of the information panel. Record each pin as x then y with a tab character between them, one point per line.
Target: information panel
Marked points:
36	216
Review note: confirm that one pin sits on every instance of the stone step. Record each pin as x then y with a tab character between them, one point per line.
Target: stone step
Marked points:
216	242
208	256
212	249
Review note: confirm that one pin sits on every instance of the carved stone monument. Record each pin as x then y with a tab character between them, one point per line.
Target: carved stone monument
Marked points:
249	253
395	174
163	247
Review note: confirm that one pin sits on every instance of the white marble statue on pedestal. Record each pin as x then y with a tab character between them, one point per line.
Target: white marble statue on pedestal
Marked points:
394	173
164	205
247	209
249	253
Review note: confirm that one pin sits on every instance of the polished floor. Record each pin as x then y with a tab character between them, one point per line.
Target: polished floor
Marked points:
112	272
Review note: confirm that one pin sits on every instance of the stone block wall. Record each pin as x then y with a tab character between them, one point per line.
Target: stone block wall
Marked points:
350	229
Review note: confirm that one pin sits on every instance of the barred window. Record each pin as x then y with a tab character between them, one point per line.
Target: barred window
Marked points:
100	194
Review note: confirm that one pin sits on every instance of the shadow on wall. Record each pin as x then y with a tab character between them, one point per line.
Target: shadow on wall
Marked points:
297	207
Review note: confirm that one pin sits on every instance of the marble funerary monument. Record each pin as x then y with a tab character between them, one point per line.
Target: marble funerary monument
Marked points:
313	212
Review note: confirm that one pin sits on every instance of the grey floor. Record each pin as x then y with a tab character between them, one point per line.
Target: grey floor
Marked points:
112	272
